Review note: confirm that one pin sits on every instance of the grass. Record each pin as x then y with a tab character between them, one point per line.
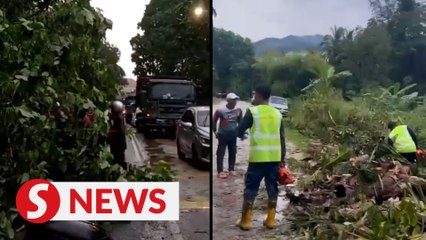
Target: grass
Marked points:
295	137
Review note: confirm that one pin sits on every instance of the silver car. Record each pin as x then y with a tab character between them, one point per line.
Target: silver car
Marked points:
279	103
193	134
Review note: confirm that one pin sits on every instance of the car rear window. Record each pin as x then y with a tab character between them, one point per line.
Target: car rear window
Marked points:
277	100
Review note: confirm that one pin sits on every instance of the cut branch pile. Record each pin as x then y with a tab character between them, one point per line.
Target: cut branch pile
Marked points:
341	191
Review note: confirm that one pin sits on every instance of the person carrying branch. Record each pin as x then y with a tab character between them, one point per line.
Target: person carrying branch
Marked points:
266	156
404	141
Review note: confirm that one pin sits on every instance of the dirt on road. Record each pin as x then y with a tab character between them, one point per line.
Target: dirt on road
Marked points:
228	198
194	184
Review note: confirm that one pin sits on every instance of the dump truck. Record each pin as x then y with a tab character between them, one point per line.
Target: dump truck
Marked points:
162	100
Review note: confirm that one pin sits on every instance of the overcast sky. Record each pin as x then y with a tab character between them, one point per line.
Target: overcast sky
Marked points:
125	15
257	19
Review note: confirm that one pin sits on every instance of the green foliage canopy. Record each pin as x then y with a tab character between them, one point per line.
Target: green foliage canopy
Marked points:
52	51
174	41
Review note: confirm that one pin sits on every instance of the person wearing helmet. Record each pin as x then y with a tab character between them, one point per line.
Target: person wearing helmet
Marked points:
117	133
229	117
404	141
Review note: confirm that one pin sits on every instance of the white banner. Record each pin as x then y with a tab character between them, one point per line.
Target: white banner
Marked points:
40	201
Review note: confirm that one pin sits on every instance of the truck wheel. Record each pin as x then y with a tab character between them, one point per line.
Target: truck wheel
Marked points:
181	155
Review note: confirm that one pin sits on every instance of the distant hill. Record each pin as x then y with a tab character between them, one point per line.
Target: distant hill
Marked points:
288	44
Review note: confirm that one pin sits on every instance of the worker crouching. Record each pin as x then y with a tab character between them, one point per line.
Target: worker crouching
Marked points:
267	154
404	141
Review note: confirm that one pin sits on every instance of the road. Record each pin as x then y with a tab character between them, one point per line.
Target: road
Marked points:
227	198
194	182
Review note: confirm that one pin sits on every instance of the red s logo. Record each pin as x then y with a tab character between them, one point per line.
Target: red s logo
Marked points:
38	201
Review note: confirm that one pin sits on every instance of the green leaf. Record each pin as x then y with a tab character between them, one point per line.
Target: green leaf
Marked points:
25	112
63	165
108	23
22	77
10	231
88	16
83	149
121	179
24	178
26	24
104	164
89	105
42	165
55	48
3	27
345	156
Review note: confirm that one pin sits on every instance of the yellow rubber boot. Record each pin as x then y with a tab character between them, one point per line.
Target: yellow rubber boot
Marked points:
270	219
246	216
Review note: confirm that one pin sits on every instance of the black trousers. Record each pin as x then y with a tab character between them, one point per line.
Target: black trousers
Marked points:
230	142
120	159
411	157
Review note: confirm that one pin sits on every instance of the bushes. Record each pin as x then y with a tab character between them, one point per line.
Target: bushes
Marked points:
329	117
347	130
55	55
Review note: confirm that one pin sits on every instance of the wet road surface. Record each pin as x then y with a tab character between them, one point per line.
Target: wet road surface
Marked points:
194	184
228	198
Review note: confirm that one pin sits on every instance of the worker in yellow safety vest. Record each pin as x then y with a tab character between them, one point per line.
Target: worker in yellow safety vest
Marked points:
267	155
404	141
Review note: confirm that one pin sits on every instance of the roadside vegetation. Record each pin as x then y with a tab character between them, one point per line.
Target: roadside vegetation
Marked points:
56	51
352	185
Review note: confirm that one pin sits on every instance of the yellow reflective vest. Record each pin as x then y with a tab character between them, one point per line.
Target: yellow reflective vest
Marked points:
265	141
402	141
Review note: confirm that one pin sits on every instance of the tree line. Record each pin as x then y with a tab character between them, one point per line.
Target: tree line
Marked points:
175	41
390	49
54	51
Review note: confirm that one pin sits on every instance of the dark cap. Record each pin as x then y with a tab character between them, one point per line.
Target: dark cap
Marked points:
392	125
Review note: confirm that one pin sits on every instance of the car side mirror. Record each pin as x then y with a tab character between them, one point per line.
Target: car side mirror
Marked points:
187	124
